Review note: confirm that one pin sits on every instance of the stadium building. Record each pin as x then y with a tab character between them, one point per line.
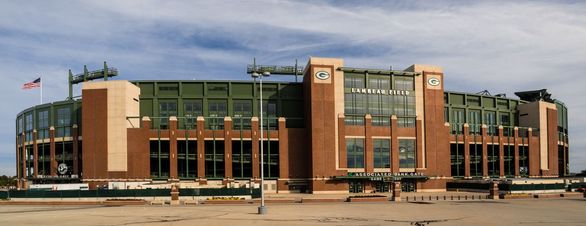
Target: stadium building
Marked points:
337	129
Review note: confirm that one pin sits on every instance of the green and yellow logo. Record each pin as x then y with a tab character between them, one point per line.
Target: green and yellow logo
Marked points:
322	75
433	81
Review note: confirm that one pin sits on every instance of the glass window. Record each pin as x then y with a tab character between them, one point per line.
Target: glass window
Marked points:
29	122
354	81
192	109
406	153
241	159
20	125
214	158
217	110
43	119
404	83
493	160
242	112
28	125
382	153
355	152
63	122
457	159
474	121
166	110
490	121
457	120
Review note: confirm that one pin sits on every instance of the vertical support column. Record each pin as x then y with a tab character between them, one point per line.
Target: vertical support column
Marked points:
75	134
466	151
397	191
18	176
23	156
368	146
227	148
35	154
283	149
283	156
552	142
200	149
534	155
419	160
501	153
484	151
255	148
445	169
343	153
173	148
146	127
53	163
394	146
516	150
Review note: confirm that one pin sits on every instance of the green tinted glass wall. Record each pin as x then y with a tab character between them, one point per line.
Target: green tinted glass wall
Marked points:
287	98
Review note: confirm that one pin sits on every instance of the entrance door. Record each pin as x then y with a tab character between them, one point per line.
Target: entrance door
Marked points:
381	186
408	185
356	187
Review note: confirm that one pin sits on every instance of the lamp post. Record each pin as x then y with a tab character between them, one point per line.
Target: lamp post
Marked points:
262	209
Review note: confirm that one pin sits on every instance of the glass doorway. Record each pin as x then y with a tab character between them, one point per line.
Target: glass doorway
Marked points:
408	185
356	187
382	186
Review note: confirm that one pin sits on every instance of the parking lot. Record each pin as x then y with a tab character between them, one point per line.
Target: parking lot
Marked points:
569	211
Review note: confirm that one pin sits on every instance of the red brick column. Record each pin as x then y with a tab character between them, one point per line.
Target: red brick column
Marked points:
368	145
75	134
200	148
516	150
173	147
419	163
283	156
534	162
255	148
23	157
145	126
466	150
552	142
283	149
227	148
394	145
52	149
484	151
501	152
18	176
35	154
343	153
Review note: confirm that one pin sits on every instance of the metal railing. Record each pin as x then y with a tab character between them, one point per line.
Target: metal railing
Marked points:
136	193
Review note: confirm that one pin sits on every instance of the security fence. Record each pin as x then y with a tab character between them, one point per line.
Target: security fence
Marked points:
505	186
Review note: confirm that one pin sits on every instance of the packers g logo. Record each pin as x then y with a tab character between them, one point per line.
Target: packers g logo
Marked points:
433	82
322	75
62	168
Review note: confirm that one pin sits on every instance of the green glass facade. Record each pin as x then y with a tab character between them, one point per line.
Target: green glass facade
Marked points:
375	94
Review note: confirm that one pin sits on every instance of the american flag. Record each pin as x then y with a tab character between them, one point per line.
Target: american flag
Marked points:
33	84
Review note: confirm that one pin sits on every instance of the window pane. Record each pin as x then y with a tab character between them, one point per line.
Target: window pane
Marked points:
406	153
355	152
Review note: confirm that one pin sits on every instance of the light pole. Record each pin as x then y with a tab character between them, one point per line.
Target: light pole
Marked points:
262	209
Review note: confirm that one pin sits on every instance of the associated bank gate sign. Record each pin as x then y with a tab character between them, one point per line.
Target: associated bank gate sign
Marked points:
384	176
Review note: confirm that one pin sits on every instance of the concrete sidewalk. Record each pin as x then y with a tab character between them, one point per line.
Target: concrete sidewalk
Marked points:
485	212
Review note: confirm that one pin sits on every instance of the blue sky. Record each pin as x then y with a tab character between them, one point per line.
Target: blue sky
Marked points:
500	46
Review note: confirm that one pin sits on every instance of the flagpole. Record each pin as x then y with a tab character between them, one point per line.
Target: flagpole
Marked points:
41	90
